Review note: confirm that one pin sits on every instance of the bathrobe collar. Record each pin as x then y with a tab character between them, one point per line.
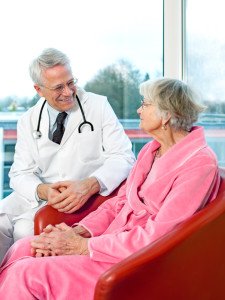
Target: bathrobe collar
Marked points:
175	157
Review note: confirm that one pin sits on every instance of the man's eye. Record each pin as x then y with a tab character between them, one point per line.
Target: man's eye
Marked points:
71	83
59	88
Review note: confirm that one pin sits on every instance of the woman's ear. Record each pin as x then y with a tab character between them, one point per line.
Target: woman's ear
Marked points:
165	121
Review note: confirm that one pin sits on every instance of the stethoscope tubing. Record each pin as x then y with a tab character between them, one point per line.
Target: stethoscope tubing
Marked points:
83	115
40	114
37	133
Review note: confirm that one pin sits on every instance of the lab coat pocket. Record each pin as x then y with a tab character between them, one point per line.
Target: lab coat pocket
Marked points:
90	146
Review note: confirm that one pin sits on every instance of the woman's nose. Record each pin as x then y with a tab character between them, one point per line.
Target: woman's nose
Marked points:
139	110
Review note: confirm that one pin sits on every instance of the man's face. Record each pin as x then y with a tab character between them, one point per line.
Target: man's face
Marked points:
53	78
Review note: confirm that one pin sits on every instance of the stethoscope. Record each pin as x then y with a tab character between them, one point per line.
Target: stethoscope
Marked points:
37	133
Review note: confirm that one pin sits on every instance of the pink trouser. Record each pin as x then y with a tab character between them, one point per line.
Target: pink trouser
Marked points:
58	277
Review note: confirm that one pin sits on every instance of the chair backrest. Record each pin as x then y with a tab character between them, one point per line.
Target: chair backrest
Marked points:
187	263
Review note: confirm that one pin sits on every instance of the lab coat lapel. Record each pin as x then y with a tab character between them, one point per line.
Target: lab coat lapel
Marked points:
44	129
44	126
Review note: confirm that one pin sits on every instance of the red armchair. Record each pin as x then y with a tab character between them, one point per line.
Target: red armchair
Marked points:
187	263
48	215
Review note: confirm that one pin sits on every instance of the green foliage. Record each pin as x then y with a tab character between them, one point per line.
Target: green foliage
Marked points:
13	106
14	103
6	101
120	83
34	100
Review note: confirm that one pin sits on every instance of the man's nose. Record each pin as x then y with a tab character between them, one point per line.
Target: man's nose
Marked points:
67	91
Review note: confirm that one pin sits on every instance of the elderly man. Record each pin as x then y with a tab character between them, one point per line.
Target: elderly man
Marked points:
70	146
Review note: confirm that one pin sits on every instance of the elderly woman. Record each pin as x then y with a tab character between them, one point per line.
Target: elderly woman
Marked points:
176	175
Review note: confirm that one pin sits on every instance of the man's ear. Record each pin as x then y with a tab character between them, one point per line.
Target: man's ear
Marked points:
38	90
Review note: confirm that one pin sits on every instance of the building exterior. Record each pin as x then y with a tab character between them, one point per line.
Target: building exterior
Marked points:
214	129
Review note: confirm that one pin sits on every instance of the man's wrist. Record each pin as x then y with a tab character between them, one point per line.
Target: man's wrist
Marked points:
42	191
101	185
95	185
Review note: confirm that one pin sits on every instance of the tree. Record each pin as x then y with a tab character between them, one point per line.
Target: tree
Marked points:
34	100
14	103
120	83
5	102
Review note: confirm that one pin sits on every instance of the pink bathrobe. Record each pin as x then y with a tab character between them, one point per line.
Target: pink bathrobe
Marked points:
155	198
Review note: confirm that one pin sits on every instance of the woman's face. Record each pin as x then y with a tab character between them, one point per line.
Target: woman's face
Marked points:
150	121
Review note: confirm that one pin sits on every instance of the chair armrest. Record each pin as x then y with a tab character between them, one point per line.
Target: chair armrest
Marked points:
48	215
186	263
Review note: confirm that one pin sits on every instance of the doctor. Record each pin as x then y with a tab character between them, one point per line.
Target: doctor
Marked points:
61	162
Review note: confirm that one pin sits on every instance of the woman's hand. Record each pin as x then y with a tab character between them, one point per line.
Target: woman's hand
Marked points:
59	240
82	231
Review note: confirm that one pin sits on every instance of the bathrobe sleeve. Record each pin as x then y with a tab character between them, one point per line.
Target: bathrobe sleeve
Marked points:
99	220
195	184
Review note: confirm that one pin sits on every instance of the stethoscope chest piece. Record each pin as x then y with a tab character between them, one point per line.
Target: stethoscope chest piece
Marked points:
36	134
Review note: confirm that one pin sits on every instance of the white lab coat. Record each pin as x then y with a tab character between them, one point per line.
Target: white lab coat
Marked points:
79	156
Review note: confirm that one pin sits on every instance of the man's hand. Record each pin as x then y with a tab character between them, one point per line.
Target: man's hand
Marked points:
59	240
69	196
43	191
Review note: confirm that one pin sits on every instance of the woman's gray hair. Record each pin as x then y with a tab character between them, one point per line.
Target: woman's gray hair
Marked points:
49	57
172	96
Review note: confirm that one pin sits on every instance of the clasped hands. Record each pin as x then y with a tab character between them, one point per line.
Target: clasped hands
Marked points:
68	196
61	240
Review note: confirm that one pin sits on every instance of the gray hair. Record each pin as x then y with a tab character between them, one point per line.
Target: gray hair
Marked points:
172	96
49	57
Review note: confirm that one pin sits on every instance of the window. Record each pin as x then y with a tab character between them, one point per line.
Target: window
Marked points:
124	37
120	43
205	66
116	42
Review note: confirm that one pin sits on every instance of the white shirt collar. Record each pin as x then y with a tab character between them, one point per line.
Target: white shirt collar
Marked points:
53	113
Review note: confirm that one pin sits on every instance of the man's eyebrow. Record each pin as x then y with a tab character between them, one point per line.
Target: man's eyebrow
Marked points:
58	85
61	84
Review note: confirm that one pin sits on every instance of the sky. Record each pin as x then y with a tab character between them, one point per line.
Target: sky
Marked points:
93	33
206	47
206	18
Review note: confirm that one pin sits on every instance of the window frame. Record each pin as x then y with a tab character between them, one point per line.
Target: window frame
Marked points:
174	54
